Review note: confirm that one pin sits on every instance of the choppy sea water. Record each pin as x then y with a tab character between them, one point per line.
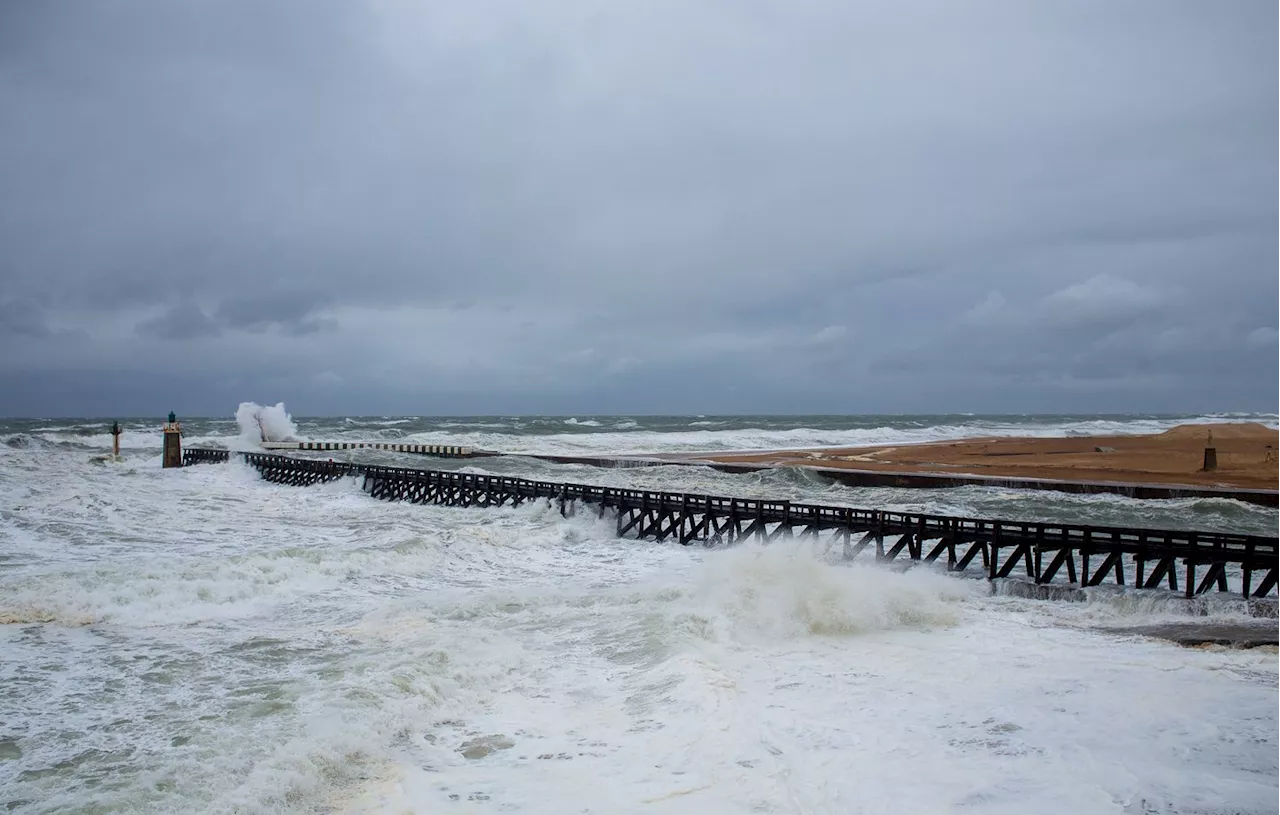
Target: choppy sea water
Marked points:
198	640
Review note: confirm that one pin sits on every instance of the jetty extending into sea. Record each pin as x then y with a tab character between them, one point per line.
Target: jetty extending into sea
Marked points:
1084	555
1009	463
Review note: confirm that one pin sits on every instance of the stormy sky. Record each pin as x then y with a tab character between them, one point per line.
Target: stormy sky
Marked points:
637	207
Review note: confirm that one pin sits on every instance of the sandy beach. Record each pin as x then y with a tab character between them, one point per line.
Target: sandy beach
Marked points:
1246	457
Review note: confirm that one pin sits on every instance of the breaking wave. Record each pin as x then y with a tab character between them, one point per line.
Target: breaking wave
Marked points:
258	423
788	590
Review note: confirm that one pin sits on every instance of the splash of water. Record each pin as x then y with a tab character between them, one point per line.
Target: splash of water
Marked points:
270	423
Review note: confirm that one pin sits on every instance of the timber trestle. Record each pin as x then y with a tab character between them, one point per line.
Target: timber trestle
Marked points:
1083	555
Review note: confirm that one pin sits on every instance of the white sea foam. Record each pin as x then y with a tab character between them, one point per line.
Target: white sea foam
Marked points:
198	640
788	590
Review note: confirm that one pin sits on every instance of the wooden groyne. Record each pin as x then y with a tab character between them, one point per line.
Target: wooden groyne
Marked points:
842	475
1041	551
437	450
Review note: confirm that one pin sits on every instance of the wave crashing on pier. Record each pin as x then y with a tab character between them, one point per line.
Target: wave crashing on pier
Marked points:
260	423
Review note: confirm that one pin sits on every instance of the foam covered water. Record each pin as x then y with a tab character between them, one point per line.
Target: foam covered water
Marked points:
198	640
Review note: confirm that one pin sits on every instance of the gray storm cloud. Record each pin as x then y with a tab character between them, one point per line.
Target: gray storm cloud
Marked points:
650	207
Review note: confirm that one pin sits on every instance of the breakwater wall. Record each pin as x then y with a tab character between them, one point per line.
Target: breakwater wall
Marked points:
1082	555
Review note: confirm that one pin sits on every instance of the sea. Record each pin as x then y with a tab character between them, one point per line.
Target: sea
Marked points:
197	640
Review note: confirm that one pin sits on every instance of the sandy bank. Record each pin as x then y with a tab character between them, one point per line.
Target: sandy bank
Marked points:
1246	454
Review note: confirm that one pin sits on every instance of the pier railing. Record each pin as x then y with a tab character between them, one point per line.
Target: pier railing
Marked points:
1040	550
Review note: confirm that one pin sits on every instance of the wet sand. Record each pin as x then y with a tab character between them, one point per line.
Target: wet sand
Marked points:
1246	457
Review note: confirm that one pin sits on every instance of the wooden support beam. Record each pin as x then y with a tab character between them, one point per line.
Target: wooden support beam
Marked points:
851	552
696	529
1217	574
1164	566
650	524
845	530
633	516
1112	561
944	545
995	550
1062	556
666	524
1268	583
977	547
902	543
1020	553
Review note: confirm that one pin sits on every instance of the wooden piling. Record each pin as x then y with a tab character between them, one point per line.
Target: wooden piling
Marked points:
1210	459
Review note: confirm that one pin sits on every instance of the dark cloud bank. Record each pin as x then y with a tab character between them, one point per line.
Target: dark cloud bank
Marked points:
650	207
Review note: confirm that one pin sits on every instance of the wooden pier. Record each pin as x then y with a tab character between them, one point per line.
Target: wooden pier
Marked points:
1085	555
842	475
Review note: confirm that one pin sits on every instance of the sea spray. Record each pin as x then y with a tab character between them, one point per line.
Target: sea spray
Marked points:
270	423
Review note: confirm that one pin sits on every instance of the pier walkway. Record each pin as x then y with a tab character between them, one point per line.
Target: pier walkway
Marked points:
1041	551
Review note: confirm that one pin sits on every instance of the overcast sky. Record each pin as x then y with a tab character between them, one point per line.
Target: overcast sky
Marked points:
649	207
